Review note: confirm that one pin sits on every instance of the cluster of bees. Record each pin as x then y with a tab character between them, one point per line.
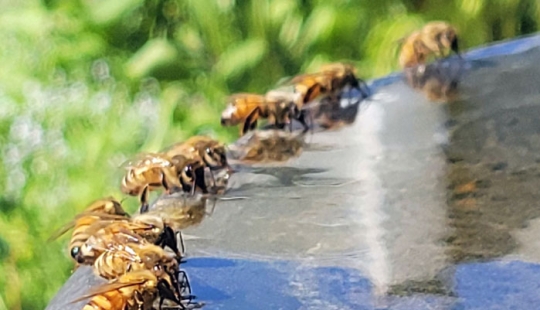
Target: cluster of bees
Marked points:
318	95
294	100
140	255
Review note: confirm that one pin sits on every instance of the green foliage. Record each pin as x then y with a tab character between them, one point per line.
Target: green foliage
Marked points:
85	85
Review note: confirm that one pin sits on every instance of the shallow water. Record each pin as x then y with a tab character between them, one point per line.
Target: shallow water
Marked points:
416	205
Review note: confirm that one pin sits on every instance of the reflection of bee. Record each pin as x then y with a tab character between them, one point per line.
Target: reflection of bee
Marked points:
179	211
246	109
103	209
134	290
438	84
267	146
434	39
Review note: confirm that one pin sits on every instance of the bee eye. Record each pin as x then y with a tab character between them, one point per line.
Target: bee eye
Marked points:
209	151
75	252
188	170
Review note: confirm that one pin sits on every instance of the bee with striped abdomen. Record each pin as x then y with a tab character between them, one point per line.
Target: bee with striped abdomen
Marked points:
100	211
133	290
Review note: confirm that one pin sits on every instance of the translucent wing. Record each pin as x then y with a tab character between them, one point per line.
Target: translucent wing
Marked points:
108	287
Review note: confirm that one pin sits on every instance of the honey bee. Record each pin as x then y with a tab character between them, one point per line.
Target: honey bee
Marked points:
440	38
343	75
191	173
211	152
102	210
413	51
150	171
157	231
103	235
133	290
108	235
247	109
328	83
434	39
123	258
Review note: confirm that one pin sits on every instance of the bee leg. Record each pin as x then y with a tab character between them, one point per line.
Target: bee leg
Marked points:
192	192
176	289
144	200
302	120
165	184
184	286
251	120
213	178
180	240
167	238
292	115
198	181
139	300
165	292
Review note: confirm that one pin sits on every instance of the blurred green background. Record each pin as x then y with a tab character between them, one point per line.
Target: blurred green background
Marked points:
84	84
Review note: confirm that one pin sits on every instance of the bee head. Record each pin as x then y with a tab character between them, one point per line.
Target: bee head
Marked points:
215	157
228	116
77	255
188	171
450	40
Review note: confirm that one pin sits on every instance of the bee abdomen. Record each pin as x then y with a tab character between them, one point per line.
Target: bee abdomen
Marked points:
111	264
110	301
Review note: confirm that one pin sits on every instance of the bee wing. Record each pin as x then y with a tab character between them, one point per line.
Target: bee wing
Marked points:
303	77
134	226
105	288
61	230
284	81
157	159
105	216
172	148
72	223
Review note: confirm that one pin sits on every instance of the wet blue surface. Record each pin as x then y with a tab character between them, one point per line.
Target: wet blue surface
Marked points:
244	284
498	285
